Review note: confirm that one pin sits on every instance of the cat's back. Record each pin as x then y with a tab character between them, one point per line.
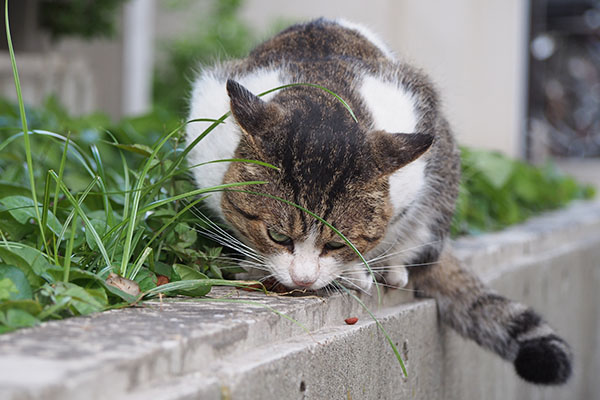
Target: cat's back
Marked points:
351	61
321	40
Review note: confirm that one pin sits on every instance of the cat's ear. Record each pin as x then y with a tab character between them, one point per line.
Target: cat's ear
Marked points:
252	114
392	151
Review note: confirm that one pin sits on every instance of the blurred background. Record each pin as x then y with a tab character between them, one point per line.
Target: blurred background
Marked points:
521	77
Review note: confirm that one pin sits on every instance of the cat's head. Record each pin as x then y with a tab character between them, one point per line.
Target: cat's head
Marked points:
328	164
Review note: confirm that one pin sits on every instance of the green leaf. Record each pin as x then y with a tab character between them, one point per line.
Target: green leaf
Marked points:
11	189
23	210
7	289
15	318
496	168
134	148
146	279
160	268
193	287
187	273
120	294
186	235
15	230
22	289
83	302
31	261
75	274
30	306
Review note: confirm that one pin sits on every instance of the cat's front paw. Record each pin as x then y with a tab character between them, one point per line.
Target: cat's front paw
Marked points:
365	283
544	360
397	277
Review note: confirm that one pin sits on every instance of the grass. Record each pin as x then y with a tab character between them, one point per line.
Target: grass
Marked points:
111	207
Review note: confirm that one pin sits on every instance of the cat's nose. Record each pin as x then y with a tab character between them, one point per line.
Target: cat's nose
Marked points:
303	282
304	271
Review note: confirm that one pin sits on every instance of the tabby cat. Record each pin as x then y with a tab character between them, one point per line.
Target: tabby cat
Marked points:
387	180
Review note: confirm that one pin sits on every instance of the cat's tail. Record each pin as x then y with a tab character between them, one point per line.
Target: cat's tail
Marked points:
513	331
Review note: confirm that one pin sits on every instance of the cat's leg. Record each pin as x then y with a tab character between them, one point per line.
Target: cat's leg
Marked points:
510	329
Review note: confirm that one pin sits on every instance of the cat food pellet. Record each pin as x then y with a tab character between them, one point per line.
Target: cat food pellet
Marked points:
351	321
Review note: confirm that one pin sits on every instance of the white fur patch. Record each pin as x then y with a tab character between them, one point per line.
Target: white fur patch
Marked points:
368	34
406	184
391	106
210	100
393	111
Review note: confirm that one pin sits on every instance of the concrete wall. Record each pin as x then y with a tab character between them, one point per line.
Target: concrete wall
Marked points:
233	346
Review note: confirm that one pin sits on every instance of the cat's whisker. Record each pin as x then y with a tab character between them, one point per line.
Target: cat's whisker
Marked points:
264	278
383	284
231	243
239	261
388	268
386	254
219	233
354	285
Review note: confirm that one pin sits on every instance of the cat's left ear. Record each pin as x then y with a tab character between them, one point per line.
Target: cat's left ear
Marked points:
252	113
392	151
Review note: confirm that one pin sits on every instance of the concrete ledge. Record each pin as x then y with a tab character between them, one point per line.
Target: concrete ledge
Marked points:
228	348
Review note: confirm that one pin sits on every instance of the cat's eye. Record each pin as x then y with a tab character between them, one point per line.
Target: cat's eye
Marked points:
279	237
333	245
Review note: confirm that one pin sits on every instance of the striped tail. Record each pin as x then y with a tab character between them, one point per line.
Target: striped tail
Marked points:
510	329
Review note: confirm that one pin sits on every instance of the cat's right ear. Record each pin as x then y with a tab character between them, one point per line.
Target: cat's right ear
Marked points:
392	151
252	114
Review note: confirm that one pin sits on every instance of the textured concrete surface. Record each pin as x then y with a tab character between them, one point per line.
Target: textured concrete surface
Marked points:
234	346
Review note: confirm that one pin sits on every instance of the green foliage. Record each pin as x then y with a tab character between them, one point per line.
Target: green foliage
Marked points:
89	215
496	192
84	18
218	34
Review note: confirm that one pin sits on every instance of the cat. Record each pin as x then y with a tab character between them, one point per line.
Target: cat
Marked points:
388	181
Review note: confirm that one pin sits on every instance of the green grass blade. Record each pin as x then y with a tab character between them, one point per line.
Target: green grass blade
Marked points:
72	214
61	170
174	218
85	219
242	160
138	195
23	121
139	262
69	251
46	203
318	87
179	159
196	192
73	147
105	200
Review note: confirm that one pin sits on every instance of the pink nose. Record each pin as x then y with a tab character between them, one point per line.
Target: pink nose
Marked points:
304	282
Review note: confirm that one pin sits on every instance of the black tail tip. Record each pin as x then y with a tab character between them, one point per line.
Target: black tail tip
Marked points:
546	360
